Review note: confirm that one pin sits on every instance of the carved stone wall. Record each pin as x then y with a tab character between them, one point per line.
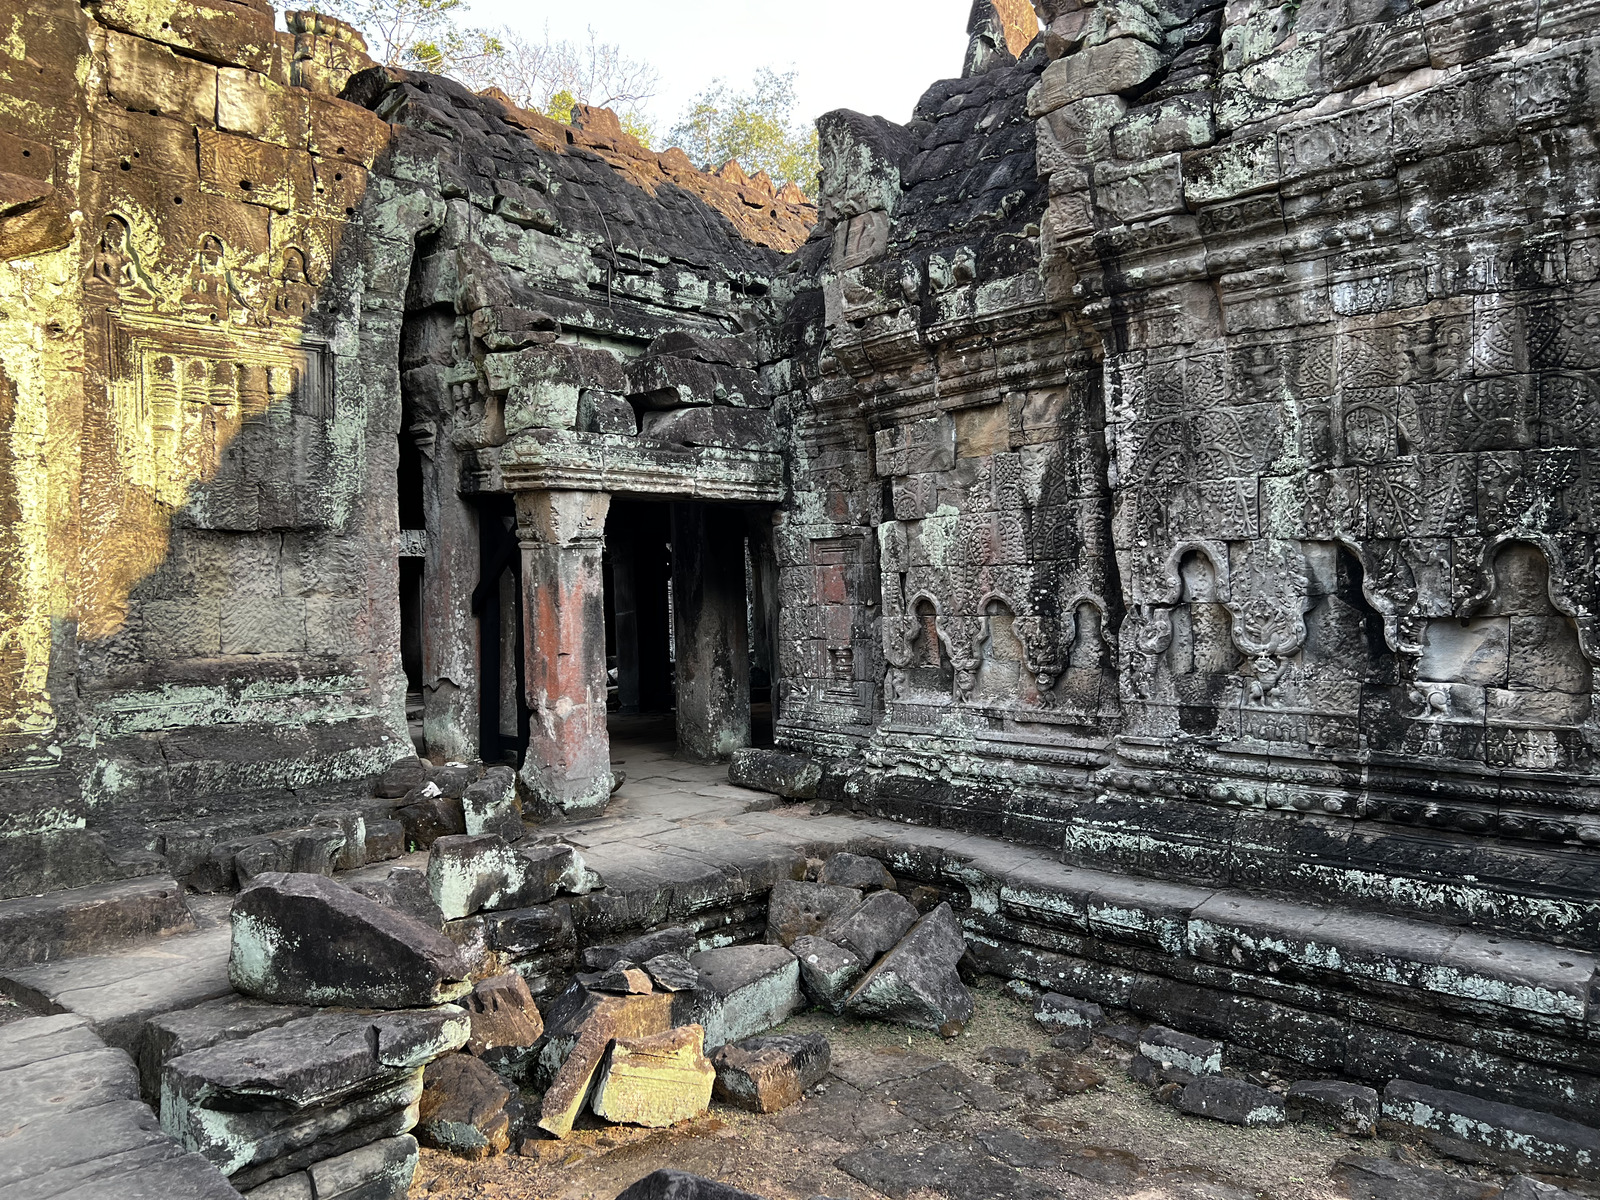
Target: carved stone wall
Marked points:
237	267
1209	389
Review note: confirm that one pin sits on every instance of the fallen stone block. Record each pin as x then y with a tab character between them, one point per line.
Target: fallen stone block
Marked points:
744	990
655	1081
827	972
874	927
1348	1107
310	851
1385	1179
386	839
303	939
798	909
675	939
1153	1074
463	1108
792	776
403	777
428	816
453	779
1505	1130
765	1074
1170	1049
491	805
680	1185
582	1027
916	983
506	1025
521	932
284	1098
1232	1101
378	1171
561	867
1057	1013
856	871
469	874
672	973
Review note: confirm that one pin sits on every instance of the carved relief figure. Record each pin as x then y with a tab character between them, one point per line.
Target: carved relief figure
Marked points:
931	671
1000	655
294	296
116	266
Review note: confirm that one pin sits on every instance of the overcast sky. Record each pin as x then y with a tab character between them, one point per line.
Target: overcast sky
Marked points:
876	56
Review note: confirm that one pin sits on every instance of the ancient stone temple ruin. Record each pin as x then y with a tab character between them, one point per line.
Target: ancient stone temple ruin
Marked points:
1145	502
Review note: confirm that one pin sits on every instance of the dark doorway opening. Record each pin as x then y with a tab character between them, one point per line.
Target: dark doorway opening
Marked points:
642	621
413	549
497	603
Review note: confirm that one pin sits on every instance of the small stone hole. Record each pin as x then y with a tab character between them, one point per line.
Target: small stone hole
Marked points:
244	184
177	199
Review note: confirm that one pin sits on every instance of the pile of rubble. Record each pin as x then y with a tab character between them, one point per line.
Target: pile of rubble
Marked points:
865	949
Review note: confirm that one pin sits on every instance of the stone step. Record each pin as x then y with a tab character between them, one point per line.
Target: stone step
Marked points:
73	1127
118	993
56	925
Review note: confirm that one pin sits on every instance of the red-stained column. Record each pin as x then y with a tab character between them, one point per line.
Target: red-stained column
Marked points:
568	765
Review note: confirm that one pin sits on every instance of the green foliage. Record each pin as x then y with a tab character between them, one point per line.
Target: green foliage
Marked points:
755	126
418	35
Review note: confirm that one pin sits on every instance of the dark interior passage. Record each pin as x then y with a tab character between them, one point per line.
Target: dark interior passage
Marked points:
497	603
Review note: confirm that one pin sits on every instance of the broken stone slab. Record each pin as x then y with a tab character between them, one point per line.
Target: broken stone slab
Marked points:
675	939
491	805
1169	1049
744	990
86	919
278	1095
582	1027
454	778
1385	1179
463	1108
1349	1107
766	1074
792	776
303	939
827	971
1232	1101
1504	1130
657	1080
428	816
672	973
229	1019
622	979
680	1185
874	926
797	909
506	1025
916	983
856	871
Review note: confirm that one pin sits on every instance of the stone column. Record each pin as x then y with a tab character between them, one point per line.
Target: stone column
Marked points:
711	631
568	764
449	633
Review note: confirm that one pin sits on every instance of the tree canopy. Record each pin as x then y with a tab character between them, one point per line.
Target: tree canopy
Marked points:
755	126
